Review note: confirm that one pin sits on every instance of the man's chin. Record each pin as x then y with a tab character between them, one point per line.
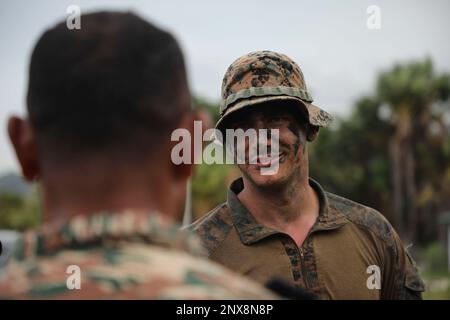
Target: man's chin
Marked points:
265	181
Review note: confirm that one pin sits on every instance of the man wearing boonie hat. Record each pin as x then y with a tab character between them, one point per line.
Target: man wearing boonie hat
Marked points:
285	225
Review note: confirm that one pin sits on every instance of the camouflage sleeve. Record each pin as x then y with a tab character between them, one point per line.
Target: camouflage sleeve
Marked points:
414	285
402	280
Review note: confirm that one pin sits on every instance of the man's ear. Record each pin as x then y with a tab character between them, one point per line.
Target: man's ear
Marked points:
313	131
196	131
23	140
184	170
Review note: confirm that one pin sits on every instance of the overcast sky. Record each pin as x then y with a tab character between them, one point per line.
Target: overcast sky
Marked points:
340	57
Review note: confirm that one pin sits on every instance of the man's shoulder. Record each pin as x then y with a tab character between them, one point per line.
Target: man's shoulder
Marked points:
363	216
133	271
214	227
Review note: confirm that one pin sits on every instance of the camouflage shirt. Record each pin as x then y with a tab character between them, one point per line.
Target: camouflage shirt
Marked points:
126	255
351	252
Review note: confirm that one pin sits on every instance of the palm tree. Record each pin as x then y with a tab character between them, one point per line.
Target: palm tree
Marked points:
411	91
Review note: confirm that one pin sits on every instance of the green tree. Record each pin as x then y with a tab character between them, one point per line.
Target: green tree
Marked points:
412	92
393	151
19	213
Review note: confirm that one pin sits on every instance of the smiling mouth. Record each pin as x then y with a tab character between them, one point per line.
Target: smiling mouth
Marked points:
264	162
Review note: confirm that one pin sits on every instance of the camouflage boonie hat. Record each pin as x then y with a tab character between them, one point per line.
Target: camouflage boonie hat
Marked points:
264	76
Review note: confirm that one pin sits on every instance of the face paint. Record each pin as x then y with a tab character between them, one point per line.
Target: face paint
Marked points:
299	137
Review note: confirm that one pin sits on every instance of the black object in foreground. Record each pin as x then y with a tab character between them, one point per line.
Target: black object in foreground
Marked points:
289	291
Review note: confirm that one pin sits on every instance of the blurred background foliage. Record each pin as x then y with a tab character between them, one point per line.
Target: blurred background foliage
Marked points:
392	152
18	212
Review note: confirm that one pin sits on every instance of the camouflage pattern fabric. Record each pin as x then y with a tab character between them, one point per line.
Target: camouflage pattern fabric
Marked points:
266	76
125	255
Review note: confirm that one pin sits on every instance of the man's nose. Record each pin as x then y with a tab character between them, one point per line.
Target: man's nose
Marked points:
261	124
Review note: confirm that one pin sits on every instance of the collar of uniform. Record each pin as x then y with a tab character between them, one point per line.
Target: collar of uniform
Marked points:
83	231
251	231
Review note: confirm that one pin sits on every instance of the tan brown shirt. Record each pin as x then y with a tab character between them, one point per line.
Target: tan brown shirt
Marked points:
351	252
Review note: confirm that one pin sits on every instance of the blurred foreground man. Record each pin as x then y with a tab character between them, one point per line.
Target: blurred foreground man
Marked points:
102	102
285	224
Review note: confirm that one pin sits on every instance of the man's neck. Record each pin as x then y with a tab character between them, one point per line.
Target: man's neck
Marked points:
292	209
67	195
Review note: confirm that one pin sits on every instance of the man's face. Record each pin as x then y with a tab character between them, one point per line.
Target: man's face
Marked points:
292	155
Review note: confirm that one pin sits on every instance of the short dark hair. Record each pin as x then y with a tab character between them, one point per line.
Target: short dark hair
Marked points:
116	82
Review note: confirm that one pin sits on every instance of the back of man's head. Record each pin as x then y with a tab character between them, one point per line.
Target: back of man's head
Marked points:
116	87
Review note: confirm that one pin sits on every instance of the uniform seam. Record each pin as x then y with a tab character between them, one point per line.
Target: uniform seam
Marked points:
205	217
